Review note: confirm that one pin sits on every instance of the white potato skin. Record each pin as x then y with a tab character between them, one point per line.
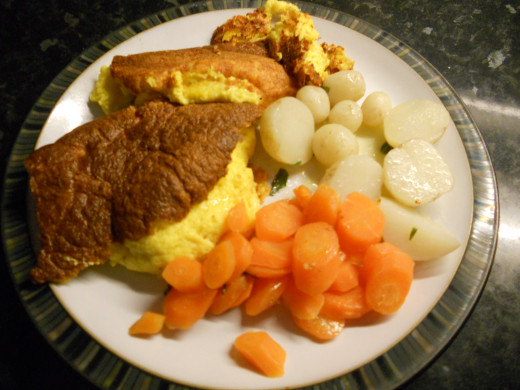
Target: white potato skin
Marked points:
333	142
347	113
286	131
375	107
416	174
345	85
356	172
416	234
416	118
317	99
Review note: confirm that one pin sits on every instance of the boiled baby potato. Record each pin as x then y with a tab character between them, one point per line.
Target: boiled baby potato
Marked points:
286	131
416	234
332	142
317	100
345	85
416	174
356	172
347	113
375	107
417	118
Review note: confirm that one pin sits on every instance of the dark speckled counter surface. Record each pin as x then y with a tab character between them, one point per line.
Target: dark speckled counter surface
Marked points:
474	44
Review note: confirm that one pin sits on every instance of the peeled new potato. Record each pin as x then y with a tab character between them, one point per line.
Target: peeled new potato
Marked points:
417	118
416	174
317	100
356	172
332	142
414	233
286	131
345	85
347	113
375	107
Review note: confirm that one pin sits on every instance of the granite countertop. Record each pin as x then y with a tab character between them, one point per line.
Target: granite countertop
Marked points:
474	44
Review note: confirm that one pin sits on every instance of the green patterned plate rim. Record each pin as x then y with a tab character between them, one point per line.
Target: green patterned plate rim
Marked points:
393	368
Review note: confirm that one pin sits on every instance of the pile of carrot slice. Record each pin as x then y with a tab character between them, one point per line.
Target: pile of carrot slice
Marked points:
321	258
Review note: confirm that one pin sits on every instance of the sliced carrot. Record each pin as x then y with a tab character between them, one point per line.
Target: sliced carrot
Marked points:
343	306
238	220
183	309
259	349
149	323
278	221
247	292
303	196
320	328
268	273
355	259
360	223
300	304
387	273
265	294
323	206
243	252
347	279
272	254
183	274
230	295
219	264
316	257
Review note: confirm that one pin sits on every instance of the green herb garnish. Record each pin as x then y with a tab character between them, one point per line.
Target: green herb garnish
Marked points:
412	233
279	181
385	148
327	89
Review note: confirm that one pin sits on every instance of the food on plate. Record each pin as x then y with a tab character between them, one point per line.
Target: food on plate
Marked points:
286	131
345	85
356	172
149	323
375	107
292	40
416	234
317	100
238	73
415	173
416	118
347	113
141	186
333	142
262	351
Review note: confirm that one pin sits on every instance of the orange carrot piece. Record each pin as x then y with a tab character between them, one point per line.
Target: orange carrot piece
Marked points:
264	353
387	273
300	304
323	206
272	254
265	294
267	273
238	220
360	223
347	279
243	252
321	329
219	264
303	195
228	295
247	292
343	306
149	323
183	309
183	274
316	257
278	221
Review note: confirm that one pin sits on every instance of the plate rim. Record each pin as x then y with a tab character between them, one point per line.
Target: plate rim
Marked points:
60	330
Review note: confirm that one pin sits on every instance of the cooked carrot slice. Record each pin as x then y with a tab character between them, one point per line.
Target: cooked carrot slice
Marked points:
347	279
219	264
278	221
264	272
360	223
243	252
272	254
321	329
183	309
183	274
259	349
300	304
238	220
342	306
149	323
323	206
303	196
231	295
316	257
265	294
387	274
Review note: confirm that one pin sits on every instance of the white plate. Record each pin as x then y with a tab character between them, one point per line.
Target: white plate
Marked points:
105	301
